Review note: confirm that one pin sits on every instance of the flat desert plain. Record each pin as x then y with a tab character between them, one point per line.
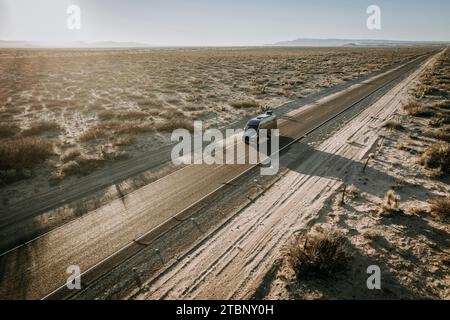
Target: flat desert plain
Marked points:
67	113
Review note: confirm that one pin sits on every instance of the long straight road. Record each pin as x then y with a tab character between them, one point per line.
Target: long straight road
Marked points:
39	267
63	194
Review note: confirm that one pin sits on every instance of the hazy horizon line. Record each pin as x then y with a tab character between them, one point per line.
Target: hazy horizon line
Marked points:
138	44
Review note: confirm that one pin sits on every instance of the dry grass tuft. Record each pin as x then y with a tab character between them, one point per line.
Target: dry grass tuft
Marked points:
41	128
437	156
441	208
440	134
352	191
91	134
108	115
171	125
8	130
191	108
82	166
132	115
417	109
393	125
130	128
424	90
123	141
24	153
391	204
244	104
445	104
172	114
111	128
436	121
70	155
319	254
148	104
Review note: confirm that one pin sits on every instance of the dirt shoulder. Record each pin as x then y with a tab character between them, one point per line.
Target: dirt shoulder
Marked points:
408	240
250	262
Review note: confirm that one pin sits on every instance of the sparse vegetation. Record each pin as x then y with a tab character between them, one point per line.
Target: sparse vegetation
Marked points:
319	254
393	125
390	205
130	128
108	115
123	141
92	134
436	121
149	104
441	208
82	166
444	104
244	104
169	126
132	115
351	191
172	114
70	155
418	109
8	130
90	100
437	156
24	153
41	128
433	93
390	241
440	134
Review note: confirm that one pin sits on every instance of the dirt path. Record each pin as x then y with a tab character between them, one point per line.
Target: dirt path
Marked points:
234	262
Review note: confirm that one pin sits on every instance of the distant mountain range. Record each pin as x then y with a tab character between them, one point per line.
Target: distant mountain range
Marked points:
100	44
351	43
303	42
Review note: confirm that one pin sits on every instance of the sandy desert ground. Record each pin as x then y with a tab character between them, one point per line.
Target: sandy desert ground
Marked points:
398	220
373	191
394	214
66	113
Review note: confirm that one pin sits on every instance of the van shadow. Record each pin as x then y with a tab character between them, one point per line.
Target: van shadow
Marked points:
305	159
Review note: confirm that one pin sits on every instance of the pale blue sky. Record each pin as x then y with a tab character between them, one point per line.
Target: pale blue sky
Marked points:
222	22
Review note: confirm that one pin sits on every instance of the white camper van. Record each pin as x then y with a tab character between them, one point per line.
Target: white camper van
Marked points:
266	121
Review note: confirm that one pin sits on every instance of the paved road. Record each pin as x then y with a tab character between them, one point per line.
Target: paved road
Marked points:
38	268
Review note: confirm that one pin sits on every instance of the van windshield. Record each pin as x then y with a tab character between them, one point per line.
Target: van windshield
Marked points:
252	125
